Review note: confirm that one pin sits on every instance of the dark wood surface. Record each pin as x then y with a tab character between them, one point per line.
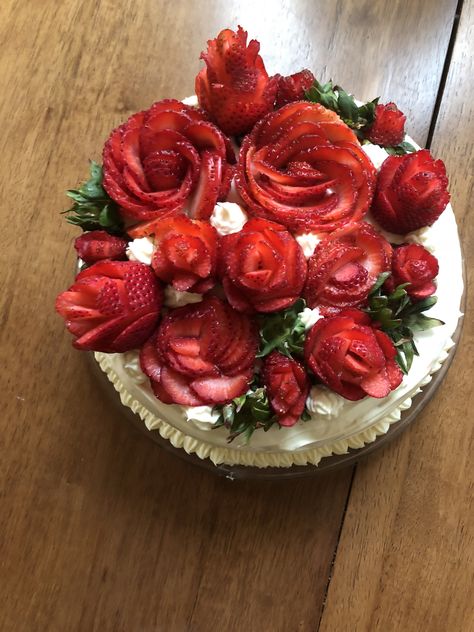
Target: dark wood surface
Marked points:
99	528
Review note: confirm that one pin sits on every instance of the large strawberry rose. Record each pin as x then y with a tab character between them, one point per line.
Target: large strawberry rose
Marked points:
351	357
413	264
186	254
411	192
201	354
303	167
234	86
113	306
164	160
263	267
287	387
345	265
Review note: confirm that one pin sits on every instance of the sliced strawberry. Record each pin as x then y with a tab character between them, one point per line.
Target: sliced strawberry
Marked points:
178	389
220	390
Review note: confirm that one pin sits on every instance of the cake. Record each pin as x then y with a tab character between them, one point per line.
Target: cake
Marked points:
270	270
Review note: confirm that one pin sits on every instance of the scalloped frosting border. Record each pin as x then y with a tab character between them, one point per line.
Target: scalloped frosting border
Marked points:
231	456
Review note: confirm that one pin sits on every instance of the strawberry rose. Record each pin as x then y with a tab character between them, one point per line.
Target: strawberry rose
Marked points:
186	254
201	354
98	244
413	264
164	160
351	357
234	86
411	192
263	267
303	167
113	306
388	128
345	265
287	387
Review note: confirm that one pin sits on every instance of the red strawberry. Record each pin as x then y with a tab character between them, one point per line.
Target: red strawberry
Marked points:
351	357
411	192
113	306
413	264
98	244
234	86
345	266
186	253
263	267
388	128
302	167
293	87
287	387
202	354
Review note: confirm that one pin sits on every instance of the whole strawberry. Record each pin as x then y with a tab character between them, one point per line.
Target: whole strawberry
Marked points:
287	387
113	306
413	264
388	129
411	192
234	87
293	87
97	245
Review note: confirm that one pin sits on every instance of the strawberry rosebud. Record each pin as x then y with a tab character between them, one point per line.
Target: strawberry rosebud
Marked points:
202	354
97	245
293	87
302	167
263	267
234	87
113	306
186	254
164	160
287	387
413	264
351	357
411	192
345	265
388	128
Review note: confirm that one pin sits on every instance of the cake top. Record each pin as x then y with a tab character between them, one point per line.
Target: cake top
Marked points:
266	253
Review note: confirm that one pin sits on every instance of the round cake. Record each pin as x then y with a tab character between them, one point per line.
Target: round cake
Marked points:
270	270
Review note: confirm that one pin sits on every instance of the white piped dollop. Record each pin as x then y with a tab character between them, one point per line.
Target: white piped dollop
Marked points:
376	154
131	364
228	218
202	417
173	298
308	242
322	402
141	250
309	317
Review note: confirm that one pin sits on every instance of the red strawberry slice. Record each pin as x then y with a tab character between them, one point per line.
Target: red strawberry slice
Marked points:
219	390
150	360
208	187
178	389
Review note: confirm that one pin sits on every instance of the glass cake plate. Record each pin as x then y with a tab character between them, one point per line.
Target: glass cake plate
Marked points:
327	463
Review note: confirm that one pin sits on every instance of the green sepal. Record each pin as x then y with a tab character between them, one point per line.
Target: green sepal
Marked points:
400	150
93	209
399	317
283	331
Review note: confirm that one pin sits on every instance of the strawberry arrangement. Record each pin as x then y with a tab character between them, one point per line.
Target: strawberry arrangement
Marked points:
291	151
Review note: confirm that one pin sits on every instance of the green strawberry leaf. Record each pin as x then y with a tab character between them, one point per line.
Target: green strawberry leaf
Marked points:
283	331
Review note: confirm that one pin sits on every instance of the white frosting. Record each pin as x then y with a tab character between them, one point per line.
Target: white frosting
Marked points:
309	317
201	417
376	154
131	364
308	242
192	101
228	218
141	250
173	298
323	402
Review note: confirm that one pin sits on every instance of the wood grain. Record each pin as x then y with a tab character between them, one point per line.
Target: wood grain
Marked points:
99	529
406	556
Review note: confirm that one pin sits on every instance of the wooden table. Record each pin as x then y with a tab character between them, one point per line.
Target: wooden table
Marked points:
99	528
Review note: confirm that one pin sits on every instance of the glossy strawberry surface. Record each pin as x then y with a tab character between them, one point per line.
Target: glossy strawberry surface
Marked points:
303	167
287	387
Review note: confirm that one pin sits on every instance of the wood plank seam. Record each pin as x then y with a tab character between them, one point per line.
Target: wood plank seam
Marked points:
444	73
